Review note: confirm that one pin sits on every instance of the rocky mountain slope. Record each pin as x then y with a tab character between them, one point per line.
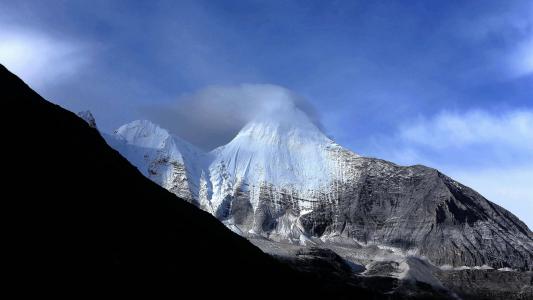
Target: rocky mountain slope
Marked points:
282	179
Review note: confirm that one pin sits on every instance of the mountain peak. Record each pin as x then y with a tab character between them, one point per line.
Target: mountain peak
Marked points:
143	133
282	148
146	134
288	125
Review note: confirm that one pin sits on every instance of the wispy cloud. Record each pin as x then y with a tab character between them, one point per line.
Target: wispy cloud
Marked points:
521	60
502	34
448	129
38	58
212	116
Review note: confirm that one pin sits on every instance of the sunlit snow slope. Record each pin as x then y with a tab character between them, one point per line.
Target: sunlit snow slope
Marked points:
283	153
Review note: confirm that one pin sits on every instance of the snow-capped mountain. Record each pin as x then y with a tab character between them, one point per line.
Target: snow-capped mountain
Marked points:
282	179
270	153
285	156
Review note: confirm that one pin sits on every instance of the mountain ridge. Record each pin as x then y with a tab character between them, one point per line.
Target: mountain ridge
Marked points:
293	184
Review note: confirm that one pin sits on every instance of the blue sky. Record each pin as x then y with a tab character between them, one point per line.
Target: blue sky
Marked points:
448	84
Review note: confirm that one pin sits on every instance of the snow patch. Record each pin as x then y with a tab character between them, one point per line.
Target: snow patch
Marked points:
460	268
506	270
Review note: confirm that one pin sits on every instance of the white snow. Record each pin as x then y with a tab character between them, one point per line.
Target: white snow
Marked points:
282	150
159	156
460	268
286	151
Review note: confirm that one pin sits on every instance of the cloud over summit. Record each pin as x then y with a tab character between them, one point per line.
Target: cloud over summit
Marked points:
38	58
212	116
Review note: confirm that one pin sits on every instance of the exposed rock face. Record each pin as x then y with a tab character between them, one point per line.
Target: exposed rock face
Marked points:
489	284
282	179
88	117
419	209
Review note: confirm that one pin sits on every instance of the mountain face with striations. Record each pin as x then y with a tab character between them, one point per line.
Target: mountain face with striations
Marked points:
281	179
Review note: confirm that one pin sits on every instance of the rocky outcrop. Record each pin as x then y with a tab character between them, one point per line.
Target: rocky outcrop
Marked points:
488	284
88	117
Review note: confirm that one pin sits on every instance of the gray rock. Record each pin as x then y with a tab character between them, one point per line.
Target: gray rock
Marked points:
488	284
414	209
88	117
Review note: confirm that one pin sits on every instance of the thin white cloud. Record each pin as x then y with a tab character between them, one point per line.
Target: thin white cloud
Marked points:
512	129
38	58
504	37
521	58
521	61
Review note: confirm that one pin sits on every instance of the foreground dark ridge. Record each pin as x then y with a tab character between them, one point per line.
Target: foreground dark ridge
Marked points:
82	220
